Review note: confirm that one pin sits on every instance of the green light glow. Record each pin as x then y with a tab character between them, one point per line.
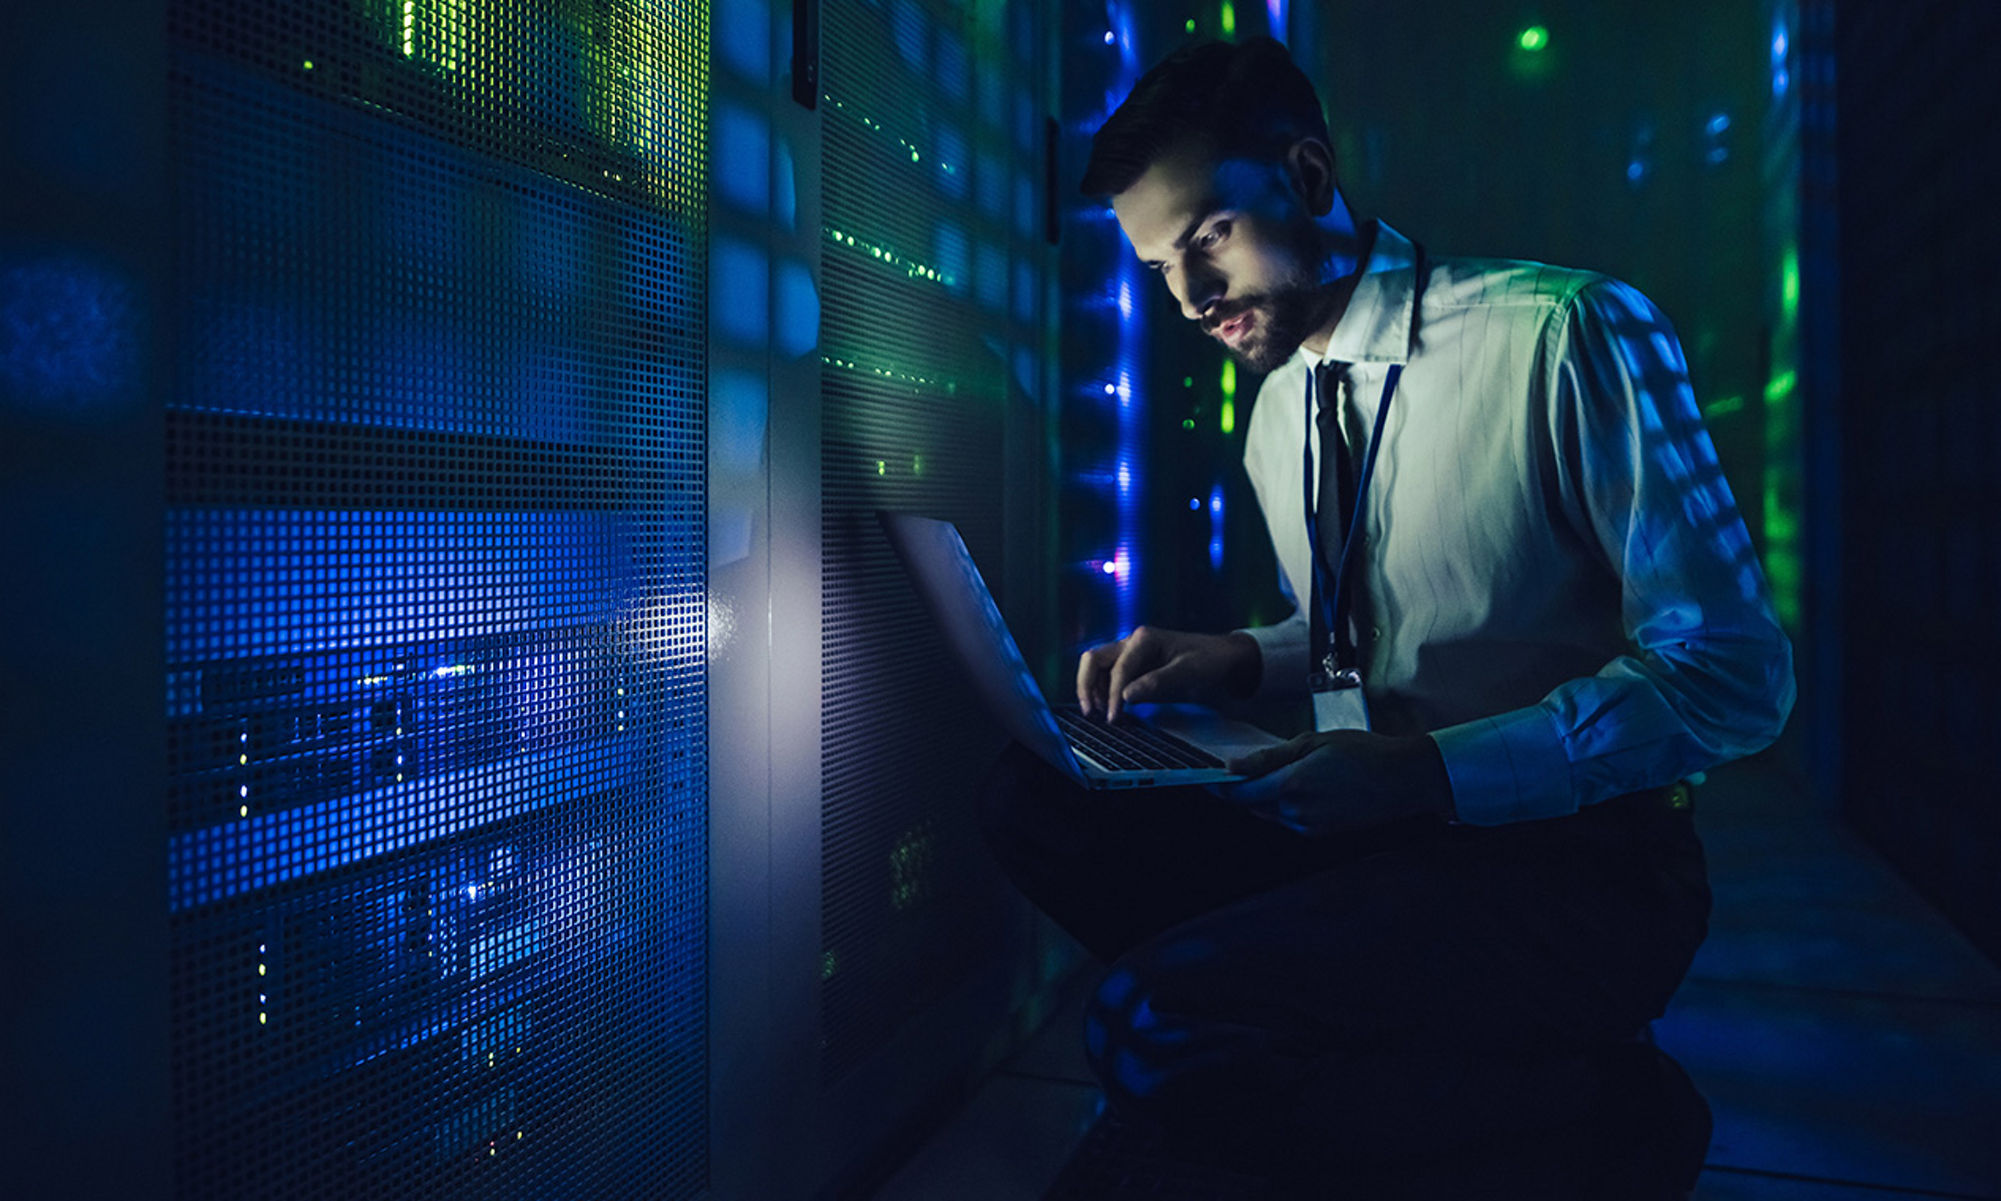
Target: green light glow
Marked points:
910	867
1784	560
875	126
1188	423
1189	25
911	267
1724	407
902	377
1534	38
1226	19
1227	417
829	964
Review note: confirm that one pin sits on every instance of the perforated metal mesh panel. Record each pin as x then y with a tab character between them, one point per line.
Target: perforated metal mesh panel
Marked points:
1916	550
435	622
933	337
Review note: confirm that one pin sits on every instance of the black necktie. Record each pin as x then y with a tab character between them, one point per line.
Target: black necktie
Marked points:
1336	494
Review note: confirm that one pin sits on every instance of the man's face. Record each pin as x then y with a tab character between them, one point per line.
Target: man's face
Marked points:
1237	247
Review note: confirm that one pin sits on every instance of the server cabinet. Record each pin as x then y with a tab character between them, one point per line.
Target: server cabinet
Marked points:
427	354
887	345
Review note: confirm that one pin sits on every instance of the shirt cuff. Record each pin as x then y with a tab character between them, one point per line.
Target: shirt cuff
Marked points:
1507	768
1284	653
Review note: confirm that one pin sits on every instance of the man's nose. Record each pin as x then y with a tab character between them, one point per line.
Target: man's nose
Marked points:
1201	288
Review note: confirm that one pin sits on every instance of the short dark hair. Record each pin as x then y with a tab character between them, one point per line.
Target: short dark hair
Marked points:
1244	100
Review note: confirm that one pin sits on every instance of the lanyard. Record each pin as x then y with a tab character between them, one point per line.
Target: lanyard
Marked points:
1331	605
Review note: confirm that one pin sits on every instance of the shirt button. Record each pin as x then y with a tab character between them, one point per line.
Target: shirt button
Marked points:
1375	633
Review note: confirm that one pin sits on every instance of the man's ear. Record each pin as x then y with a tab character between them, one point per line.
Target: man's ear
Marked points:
1309	167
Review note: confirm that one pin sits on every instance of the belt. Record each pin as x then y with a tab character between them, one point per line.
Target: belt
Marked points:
1678	797
1676	800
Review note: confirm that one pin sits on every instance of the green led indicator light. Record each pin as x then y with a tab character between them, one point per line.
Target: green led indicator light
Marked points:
1188	423
1227	416
881	467
1227	19
1534	38
309	64
1781	386
1189	26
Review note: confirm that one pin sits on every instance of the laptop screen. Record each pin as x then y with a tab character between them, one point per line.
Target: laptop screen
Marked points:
949	583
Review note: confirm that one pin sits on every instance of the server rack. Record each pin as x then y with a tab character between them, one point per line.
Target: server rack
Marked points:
880	212
418	385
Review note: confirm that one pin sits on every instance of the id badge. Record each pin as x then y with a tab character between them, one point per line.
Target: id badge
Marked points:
1338	703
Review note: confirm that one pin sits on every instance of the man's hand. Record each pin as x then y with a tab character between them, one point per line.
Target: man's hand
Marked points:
1165	665
1343	780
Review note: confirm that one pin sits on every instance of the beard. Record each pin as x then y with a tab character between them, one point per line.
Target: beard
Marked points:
1283	317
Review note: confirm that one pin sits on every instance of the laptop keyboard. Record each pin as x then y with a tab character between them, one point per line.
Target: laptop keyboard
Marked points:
1129	746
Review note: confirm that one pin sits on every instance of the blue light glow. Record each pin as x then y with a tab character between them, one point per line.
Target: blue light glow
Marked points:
1781	43
1216	527
68	337
404	575
741	297
218	862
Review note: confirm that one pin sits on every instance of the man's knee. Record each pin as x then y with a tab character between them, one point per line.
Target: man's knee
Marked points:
1161	1048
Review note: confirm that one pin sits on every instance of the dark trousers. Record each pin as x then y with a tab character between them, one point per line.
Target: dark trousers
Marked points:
1394	991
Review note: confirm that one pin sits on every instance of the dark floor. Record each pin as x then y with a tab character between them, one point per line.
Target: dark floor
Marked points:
1848	1039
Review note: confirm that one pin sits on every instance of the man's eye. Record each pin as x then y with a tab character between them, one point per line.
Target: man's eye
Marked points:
1214	234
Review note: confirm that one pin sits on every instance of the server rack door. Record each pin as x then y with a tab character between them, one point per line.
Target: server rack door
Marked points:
888	349
435	489
934	346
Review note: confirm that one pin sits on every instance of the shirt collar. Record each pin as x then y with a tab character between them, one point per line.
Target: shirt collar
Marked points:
1375	327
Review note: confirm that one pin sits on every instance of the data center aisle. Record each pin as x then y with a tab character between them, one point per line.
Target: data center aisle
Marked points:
1848	1039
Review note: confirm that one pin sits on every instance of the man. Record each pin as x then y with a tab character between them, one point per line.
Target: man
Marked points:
1528	611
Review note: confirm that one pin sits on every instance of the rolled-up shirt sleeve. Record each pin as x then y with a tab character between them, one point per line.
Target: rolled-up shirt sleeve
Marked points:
1709	677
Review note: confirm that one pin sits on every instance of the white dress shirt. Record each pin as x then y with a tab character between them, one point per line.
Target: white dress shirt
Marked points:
1556	583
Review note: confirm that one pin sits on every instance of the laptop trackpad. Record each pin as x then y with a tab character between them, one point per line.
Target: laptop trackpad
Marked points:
1221	736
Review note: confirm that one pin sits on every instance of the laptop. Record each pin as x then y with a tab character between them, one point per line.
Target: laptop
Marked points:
1157	746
